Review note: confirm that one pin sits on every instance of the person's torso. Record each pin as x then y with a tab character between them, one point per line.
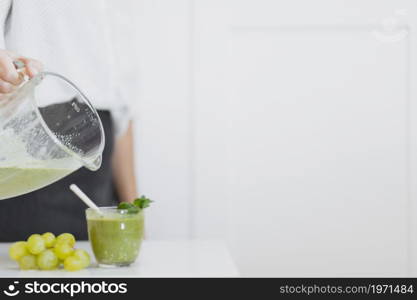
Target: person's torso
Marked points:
69	37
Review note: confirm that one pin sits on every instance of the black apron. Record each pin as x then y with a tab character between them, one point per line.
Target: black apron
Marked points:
55	208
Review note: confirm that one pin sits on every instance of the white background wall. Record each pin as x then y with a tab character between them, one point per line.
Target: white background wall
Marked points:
286	128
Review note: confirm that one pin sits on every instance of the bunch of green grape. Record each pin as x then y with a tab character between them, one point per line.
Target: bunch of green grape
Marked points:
47	252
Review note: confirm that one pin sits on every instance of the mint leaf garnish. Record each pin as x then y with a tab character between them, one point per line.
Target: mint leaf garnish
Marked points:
131	208
142	202
137	205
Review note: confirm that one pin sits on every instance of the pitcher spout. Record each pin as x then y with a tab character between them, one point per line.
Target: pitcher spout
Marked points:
95	164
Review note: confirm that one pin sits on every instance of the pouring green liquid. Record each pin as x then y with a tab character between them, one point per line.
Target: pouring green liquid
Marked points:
16	181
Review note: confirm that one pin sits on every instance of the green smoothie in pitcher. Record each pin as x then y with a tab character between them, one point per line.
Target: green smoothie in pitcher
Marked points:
16	181
115	235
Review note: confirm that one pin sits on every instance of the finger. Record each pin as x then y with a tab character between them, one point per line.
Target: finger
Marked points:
32	66
6	87
8	72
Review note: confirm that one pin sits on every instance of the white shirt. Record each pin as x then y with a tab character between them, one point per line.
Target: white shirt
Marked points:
72	38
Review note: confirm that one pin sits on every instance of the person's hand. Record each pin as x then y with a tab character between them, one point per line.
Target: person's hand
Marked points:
9	77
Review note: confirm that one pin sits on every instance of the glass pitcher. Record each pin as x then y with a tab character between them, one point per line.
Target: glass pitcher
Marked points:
48	129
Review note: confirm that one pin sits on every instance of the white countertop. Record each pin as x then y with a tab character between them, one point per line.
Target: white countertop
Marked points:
192	258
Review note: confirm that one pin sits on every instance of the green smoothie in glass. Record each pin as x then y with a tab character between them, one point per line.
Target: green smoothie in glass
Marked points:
115	235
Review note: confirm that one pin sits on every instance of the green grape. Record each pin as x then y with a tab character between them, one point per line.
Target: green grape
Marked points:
17	250
35	244
63	250
28	262
83	256
49	239
47	260
73	263
66	238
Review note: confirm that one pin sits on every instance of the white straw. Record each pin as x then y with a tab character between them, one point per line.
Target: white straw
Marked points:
84	197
